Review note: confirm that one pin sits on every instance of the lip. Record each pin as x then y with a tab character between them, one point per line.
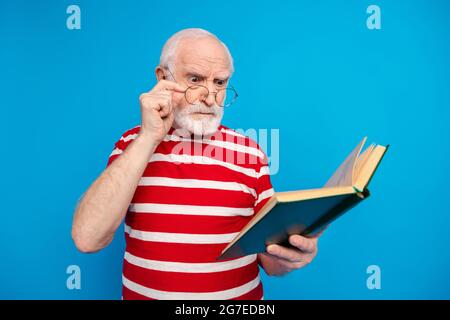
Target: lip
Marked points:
203	113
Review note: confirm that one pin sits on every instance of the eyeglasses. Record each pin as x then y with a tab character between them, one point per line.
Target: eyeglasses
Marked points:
196	94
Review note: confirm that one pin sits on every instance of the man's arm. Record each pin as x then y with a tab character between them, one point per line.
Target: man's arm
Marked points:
105	203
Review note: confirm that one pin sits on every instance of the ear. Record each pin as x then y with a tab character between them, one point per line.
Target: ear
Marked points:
159	72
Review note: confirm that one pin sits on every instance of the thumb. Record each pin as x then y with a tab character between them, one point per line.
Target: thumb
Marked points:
168	121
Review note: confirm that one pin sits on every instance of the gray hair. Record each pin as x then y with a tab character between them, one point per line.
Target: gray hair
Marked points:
168	52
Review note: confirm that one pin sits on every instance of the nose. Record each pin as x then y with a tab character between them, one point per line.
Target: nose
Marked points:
210	99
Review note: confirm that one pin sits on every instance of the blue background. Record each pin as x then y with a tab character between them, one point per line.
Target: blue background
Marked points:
311	69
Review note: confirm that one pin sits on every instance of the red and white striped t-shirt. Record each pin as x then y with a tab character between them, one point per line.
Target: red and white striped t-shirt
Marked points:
193	198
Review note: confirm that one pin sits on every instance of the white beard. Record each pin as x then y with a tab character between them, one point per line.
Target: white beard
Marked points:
206	126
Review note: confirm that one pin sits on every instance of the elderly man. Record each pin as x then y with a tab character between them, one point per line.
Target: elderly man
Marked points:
181	208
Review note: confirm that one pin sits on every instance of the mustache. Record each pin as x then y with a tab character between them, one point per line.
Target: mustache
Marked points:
202	108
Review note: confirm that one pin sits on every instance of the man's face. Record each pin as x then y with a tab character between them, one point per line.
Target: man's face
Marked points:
204	62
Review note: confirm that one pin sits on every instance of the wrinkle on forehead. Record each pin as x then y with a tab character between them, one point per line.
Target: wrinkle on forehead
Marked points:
203	54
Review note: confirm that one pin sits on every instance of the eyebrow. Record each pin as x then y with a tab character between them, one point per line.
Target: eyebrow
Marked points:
198	74
193	73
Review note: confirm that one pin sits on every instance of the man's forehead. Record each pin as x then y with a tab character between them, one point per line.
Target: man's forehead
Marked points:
221	71
203	55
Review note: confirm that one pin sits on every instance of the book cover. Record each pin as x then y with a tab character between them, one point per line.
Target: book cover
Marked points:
306	212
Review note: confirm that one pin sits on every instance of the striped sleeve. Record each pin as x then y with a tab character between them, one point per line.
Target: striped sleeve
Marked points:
264	189
120	146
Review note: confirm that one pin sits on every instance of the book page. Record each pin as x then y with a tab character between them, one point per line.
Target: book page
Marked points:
299	195
362	159
344	174
369	167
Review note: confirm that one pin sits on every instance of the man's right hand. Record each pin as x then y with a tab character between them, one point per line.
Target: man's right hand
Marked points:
157	107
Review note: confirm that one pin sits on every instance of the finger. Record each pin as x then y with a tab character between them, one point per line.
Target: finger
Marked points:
292	265
164	112
307	245
155	101
150	100
170	108
168	121
165	107
166	85
174	96
291	255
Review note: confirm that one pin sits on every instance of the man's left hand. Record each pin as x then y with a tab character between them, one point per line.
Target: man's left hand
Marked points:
280	260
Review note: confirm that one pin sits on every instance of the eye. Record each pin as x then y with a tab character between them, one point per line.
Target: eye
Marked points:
194	79
221	82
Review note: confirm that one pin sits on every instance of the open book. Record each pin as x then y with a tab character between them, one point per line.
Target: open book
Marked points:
306	212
